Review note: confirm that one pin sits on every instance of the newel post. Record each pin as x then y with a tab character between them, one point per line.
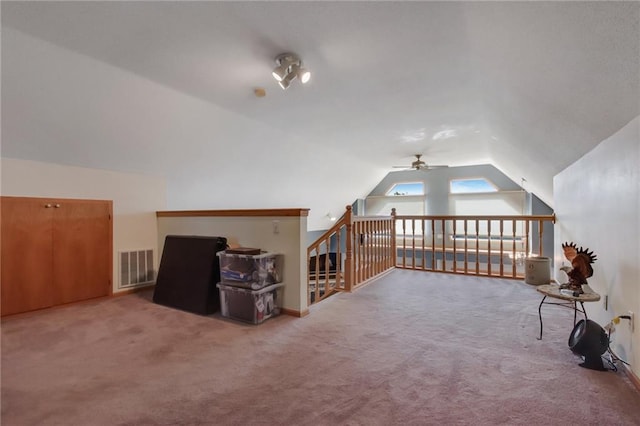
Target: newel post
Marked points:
348	262
394	253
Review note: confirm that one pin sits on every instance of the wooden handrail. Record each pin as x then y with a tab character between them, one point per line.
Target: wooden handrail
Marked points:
551	218
348	262
237	212
336	226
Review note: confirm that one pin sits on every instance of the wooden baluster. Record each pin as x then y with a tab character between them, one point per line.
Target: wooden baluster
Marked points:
455	254
367	270
309	255
466	247
383	245
317	271
442	246
404	244
382	226
513	248
540	231
501	248
527	247
489	247
433	245
390	237
338	265
374	249
362	250
360	262
348	262
477	247
424	246
379	247
413	244
394	252
327	248
371	259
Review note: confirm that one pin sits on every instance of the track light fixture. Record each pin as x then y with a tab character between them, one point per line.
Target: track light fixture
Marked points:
289	66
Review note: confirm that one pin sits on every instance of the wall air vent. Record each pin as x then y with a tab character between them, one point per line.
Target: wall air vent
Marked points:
136	268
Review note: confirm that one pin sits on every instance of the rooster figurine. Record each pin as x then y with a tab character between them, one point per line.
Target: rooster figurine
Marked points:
581	260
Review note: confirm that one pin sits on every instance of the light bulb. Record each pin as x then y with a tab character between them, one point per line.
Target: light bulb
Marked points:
304	75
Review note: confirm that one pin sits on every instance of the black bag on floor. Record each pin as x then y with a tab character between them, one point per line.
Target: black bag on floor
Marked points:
188	273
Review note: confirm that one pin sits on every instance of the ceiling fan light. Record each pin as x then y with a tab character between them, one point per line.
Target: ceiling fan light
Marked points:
284	84
286	81
289	66
280	72
304	75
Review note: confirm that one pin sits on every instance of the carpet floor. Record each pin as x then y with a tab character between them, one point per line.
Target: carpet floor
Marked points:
411	348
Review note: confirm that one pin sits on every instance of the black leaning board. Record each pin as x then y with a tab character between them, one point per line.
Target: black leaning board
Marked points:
188	273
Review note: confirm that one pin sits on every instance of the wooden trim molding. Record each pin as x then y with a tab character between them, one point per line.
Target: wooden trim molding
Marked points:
237	213
631	375
294	313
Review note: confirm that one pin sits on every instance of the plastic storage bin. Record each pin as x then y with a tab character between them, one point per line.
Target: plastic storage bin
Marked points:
250	271
253	306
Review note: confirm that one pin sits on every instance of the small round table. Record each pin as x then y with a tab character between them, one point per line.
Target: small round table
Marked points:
569	300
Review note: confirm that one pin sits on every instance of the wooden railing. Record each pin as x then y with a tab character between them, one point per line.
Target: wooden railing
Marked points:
325	268
372	247
359	248
472	245
353	251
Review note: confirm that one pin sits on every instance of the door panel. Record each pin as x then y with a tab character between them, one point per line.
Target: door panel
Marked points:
27	281
82	250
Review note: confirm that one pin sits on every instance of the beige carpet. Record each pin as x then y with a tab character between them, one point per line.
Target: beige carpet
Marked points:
412	348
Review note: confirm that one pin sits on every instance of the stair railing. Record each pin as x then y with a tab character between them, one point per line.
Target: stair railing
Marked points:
355	250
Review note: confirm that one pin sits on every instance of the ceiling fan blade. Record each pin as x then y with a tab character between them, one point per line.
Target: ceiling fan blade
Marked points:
418	164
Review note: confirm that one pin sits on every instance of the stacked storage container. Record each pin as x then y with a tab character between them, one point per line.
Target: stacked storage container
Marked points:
250	285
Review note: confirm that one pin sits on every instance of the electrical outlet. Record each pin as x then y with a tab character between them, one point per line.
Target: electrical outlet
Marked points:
631	321
276	226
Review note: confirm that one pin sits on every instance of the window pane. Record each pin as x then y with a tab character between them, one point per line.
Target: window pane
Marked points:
466	186
407	188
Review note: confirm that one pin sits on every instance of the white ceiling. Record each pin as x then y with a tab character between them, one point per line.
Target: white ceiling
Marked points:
527	86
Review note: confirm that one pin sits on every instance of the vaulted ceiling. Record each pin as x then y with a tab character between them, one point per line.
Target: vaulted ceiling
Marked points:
167	88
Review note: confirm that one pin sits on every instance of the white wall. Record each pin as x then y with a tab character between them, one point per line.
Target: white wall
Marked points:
62	107
136	198
597	205
290	241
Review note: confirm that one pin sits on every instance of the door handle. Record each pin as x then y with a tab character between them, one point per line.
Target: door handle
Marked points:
47	206
57	206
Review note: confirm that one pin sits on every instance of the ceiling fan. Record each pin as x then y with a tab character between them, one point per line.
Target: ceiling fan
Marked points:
418	164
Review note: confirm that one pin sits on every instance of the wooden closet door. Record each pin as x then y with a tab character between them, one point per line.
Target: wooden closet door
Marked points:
82	250
27	242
